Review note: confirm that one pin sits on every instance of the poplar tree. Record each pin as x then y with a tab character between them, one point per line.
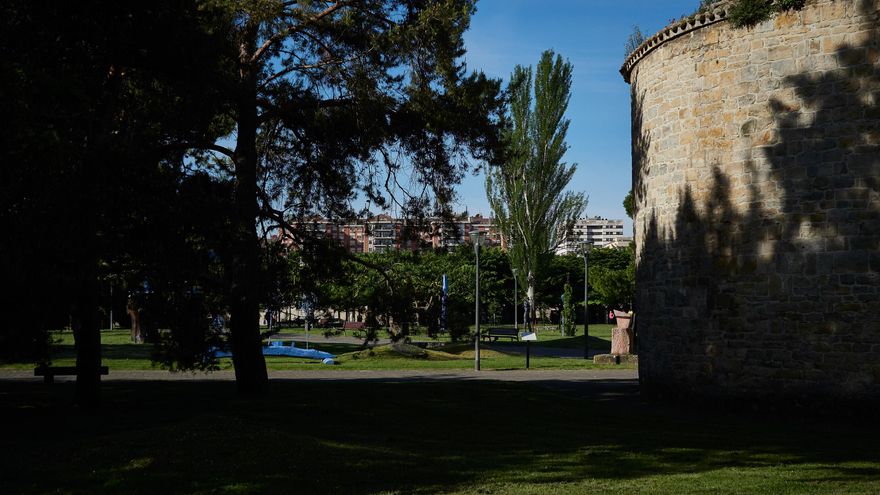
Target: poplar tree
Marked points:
527	192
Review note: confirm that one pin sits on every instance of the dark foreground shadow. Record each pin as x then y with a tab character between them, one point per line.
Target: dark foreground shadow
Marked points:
402	436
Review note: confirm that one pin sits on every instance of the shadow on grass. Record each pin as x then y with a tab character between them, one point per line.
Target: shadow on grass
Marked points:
108	351
597	344
368	436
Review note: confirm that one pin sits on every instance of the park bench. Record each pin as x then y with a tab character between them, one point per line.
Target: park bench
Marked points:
353	325
495	333
50	372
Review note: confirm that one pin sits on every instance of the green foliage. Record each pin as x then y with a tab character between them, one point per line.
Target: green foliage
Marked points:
557	271
629	204
568	311
527	192
401	291
330	99
747	13
790	4
635	39
751	12
612	278
611	258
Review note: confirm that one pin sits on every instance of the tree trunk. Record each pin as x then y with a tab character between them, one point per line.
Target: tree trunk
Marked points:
133	310
530	294
87	336
247	353
84	317
84	302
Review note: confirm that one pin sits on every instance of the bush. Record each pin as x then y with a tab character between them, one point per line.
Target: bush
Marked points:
635	39
746	13
790	4
751	12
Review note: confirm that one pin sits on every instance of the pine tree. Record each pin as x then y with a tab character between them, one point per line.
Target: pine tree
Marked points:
335	98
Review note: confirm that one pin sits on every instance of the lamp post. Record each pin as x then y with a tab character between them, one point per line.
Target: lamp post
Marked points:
585	250
475	238
515	306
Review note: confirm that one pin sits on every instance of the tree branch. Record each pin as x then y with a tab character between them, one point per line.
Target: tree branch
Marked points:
275	38
203	146
276	110
294	68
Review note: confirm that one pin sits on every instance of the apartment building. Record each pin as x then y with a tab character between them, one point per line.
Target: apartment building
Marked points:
598	231
351	235
461	230
384	233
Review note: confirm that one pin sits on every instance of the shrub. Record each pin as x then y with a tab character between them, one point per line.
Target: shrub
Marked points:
790	4
746	13
635	39
751	12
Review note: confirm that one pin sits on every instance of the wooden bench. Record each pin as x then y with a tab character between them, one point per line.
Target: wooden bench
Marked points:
355	326
495	333
50	372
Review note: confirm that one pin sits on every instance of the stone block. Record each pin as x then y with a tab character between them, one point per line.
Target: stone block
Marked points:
615	359
851	262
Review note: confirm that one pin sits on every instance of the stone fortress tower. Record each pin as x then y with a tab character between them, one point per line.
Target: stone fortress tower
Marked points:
756	173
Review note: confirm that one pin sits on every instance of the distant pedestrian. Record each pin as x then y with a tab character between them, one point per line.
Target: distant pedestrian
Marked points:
268	318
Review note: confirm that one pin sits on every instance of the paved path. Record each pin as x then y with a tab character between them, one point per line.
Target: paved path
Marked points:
575	376
603	385
317	338
595	384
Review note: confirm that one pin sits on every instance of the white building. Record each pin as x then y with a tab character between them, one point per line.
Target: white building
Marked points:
598	231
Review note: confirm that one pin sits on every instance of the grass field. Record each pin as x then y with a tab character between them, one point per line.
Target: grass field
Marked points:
368	437
120	354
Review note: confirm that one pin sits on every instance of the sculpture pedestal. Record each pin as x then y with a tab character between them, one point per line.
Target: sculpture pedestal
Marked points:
621	341
622	337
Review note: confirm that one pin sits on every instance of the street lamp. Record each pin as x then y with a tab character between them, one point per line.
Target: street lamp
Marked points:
515	305
585	250
476	239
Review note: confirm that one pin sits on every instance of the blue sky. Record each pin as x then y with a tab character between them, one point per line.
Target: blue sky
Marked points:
591	34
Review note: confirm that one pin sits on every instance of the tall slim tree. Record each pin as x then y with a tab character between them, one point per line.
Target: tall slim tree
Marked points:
335	97
527	192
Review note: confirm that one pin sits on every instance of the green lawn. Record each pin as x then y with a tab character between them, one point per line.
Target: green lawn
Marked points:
120	354
369	437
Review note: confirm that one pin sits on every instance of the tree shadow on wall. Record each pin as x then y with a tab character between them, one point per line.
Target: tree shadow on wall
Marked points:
775	295
641	145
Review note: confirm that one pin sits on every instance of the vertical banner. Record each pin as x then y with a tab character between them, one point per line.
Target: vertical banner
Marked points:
443	294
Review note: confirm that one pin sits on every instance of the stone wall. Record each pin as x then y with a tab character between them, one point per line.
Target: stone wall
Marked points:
756	171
